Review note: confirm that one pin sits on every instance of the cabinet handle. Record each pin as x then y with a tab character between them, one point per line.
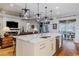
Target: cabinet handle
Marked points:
43	47
42	44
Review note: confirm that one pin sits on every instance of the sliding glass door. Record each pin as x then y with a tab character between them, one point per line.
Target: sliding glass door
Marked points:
67	29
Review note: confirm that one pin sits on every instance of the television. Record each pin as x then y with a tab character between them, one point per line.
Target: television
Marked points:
12	24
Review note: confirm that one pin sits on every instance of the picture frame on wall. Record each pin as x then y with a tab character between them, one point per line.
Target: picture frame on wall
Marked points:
55	26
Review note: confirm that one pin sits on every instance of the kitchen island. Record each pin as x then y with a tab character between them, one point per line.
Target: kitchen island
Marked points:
36	45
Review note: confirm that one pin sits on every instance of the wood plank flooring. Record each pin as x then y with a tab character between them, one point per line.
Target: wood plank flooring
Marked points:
7	51
69	49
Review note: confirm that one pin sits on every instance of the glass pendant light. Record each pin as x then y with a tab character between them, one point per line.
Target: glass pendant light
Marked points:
38	14
25	14
51	15
46	13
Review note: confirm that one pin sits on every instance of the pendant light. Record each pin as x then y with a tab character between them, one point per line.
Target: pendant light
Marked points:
38	14
25	14
46	13
51	15
25	9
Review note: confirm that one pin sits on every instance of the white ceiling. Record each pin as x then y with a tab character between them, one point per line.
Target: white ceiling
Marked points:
59	9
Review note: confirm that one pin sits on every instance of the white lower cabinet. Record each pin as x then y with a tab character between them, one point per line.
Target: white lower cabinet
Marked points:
50	46
44	48
28	49
19	50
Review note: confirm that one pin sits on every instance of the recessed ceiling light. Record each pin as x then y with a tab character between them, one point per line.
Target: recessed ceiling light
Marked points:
57	7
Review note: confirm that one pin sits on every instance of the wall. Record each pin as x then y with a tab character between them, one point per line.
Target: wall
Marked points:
50	27
24	24
1	24
4	18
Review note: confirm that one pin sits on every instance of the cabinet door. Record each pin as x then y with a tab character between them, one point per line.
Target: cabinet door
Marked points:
54	45
43	49
51	46
28	48
57	44
19	49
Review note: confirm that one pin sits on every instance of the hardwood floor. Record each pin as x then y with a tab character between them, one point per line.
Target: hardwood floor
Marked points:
7	51
69	49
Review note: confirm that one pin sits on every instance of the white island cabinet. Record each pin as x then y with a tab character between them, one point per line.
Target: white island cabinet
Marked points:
35	46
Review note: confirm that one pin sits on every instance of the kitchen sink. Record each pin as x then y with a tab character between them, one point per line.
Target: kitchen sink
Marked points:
45	36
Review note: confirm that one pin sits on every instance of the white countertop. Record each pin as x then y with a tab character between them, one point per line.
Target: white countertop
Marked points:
35	38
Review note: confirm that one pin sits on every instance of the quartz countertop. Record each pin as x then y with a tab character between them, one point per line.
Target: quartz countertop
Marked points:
35	38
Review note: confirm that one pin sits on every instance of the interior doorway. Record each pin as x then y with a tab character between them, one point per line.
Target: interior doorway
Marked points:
67	29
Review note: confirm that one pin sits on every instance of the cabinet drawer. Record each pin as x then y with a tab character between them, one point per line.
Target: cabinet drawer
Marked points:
43	47
43	51
43	41
42	44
